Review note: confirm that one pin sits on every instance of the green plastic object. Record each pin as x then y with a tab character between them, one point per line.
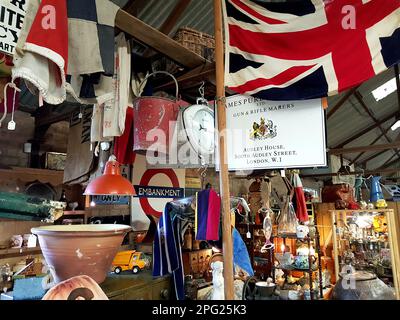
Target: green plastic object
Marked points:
19	206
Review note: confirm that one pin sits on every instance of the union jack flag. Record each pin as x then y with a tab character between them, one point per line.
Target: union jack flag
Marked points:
308	49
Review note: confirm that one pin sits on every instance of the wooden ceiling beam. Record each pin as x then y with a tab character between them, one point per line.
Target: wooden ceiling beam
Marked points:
170	22
364	161
174	16
196	75
396	72
373	156
135	6
390	162
375	147
394	155
395	161
49	114
380	171
341	102
157	40
369	112
390	159
366	130
372	143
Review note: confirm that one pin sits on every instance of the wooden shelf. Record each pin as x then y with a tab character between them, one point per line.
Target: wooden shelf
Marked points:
360	210
9	253
314	269
53	177
74	213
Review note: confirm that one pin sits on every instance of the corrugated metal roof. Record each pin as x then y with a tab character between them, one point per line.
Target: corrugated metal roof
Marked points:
198	15
352	118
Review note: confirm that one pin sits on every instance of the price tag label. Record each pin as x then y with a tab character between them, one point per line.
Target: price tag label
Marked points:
40	100
11	125
248	235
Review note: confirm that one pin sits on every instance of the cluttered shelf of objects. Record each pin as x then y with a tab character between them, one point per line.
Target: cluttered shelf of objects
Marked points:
283	244
6	253
277	252
364	245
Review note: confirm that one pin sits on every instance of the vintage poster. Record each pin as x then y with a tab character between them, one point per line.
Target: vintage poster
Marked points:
274	134
12	15
154	188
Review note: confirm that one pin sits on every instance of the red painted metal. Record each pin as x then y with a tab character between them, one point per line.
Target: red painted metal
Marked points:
155	118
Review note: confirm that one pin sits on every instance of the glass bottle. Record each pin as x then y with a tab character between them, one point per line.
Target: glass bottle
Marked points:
188	239
63	197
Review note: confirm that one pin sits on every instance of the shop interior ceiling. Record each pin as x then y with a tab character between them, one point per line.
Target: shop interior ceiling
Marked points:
348	120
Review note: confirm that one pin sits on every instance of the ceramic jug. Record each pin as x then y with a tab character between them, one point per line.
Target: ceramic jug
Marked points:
302	231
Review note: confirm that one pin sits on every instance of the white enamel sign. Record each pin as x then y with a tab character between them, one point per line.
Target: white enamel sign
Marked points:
274	134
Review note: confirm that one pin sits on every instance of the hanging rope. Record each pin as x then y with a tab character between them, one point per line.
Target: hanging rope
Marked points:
11	85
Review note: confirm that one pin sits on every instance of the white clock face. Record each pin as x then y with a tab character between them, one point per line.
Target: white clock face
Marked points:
199	125
204	122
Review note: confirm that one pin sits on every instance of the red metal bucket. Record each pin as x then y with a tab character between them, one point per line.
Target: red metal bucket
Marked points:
155	118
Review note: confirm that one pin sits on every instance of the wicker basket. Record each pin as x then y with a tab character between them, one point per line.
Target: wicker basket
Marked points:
201	43
198	42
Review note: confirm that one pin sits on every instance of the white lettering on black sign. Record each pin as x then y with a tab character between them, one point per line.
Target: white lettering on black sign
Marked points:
158	192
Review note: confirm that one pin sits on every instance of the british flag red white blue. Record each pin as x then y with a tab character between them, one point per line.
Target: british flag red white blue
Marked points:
308	49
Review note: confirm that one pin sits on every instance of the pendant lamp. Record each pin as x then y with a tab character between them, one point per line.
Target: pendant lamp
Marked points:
111	182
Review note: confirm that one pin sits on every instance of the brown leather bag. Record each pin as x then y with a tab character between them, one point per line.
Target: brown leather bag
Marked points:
336	192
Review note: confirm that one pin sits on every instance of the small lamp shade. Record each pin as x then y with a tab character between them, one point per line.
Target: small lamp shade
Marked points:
111	182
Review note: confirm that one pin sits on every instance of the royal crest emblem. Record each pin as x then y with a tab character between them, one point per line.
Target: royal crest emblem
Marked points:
264	130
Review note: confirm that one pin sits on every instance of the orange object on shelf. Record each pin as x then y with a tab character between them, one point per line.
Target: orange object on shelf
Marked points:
111	182
129	260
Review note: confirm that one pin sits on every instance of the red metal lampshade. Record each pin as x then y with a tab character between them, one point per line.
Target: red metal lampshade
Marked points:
111	182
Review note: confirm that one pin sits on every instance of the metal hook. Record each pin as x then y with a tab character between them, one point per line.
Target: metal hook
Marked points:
201	89
203	174
204	171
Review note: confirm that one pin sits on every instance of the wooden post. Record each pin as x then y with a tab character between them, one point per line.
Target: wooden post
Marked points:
335	245
394	239
223	174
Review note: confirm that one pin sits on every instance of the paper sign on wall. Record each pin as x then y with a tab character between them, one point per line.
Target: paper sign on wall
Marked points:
12	15
274	134
110	200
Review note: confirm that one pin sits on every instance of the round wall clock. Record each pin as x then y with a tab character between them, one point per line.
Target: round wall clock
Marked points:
199	125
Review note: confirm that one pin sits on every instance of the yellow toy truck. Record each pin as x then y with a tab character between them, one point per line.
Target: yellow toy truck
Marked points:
129	260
